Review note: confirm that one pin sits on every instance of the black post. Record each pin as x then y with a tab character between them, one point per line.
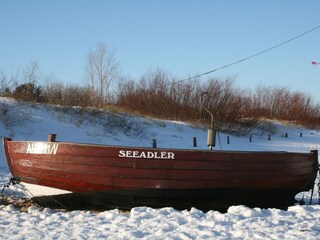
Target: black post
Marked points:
228	140
52	137
194	142
154	143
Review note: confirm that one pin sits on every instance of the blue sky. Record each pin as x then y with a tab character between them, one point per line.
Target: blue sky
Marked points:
183	37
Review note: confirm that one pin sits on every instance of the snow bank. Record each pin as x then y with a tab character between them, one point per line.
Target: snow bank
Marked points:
299	222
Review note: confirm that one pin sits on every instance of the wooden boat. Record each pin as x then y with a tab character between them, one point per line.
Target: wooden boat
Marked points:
96	177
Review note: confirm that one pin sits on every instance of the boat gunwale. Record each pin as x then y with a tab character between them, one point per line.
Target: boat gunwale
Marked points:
162	149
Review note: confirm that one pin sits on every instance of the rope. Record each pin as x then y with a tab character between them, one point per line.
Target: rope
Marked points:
249	57
12	181
43	196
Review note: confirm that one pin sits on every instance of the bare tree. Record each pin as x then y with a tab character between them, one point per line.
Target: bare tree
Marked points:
4	83
53	89
101	70
31	73
8	83
90	75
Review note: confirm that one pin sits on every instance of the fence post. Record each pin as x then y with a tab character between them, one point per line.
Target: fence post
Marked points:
194	142
52	137
250	138
228	140
154	143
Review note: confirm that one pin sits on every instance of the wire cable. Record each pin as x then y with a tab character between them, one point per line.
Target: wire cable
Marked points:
246	58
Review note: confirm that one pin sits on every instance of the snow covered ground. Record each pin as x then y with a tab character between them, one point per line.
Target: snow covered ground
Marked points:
240	222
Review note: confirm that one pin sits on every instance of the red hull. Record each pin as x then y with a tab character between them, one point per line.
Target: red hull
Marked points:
125	177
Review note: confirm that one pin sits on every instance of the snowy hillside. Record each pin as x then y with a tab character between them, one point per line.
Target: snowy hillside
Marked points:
35	122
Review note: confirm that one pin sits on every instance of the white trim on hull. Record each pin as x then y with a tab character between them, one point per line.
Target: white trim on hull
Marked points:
33	190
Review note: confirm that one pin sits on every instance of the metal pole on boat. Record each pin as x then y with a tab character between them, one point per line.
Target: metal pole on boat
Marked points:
211	139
